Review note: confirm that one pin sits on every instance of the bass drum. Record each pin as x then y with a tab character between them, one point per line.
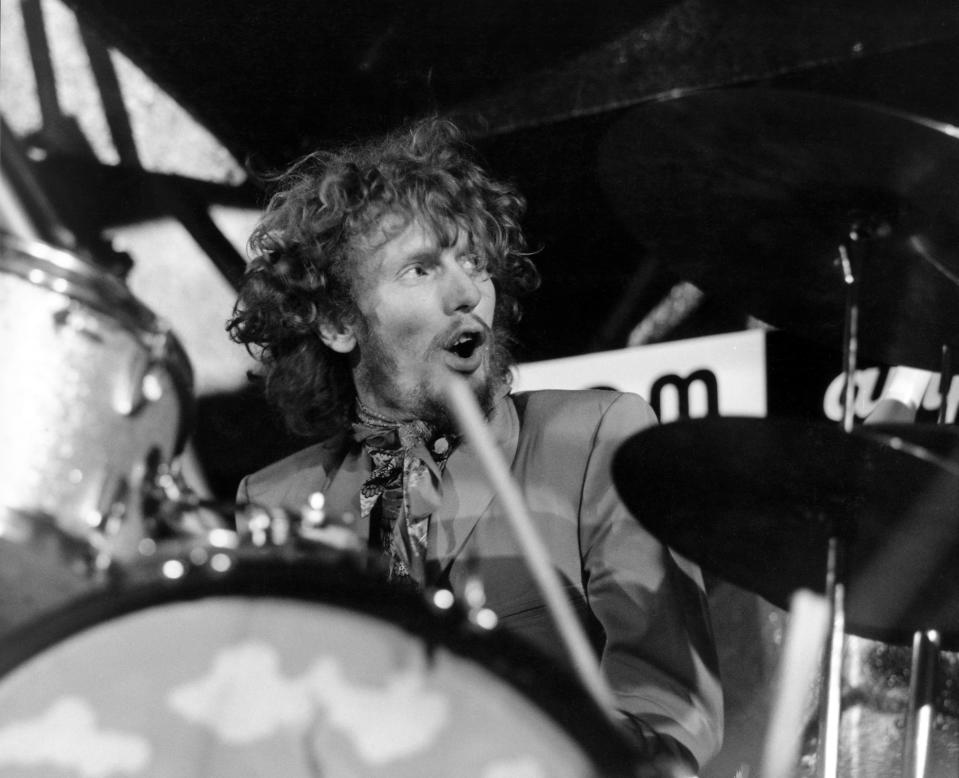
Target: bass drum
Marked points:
216	663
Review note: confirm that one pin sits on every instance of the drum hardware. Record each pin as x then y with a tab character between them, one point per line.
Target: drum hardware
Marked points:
748	192
293	530
945	382
74	317
827	762
79	557
918	736
761	502
172	508
936	443
339	663
863	231
315	526
756	500
474	594
777	181
96	393
143	383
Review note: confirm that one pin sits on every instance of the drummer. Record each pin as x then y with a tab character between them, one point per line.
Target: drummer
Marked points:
377	271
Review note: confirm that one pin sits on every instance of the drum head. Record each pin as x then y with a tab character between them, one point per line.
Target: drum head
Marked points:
282	668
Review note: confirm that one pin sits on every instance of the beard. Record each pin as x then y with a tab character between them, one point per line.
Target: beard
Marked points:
425	402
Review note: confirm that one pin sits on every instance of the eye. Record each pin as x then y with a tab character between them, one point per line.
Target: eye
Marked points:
474	264
415	270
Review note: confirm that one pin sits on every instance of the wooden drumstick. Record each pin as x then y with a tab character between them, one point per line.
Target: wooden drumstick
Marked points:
802	650
470	419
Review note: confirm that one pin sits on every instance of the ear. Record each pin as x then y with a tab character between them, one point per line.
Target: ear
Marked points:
338	336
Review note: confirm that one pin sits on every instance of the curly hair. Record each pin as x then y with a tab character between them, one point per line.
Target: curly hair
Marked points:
324	205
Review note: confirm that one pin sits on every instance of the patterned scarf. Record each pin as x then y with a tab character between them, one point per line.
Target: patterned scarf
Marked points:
405	487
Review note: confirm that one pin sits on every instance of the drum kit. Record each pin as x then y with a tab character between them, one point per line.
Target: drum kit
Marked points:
147	631
838	221
141	640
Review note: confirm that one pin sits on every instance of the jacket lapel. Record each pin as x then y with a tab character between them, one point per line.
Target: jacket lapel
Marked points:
343	491
467	494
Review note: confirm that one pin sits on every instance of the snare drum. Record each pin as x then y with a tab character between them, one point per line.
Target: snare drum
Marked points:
94	392
227	664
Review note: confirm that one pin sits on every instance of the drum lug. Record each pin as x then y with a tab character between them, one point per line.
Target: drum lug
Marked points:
262	527
106	528
474	592
143	385
74	317
315	526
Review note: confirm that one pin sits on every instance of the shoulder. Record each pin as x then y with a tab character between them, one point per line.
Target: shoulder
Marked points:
582	406
288	481
577	424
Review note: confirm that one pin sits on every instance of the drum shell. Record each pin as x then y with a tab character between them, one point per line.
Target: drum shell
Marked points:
749	637
876	678
94	389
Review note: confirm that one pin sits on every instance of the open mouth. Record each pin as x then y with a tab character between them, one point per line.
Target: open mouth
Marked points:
466	344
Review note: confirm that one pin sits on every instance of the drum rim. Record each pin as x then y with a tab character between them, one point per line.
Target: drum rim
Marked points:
543	685
109	295
82	280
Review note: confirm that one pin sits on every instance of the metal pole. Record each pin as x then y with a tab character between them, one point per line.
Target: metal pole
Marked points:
830	708
922	707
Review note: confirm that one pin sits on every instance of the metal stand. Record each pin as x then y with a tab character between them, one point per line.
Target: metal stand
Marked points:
922	685
945	384
827	755
925	652
830	707
851	264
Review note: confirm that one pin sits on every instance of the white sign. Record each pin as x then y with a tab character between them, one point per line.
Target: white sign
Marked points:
927	394
721	375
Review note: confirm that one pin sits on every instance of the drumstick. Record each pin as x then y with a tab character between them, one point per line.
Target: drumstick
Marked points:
802	649
467	412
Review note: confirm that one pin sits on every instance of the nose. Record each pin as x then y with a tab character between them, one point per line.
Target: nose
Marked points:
462	293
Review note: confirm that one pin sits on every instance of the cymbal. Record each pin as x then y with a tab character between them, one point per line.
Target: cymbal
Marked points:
938	440
755	501
749	193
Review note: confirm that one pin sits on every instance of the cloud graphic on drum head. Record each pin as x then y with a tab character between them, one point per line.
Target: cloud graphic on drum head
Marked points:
70	723
399	719
245	697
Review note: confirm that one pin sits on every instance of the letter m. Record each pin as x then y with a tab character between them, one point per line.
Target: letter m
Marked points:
683	389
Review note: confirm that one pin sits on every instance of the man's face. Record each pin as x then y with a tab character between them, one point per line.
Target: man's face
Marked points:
425	312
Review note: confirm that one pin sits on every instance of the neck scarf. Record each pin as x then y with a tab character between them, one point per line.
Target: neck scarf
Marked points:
406	483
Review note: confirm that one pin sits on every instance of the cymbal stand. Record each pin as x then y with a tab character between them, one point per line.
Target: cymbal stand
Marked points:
922	684
925	649
945	384
830	706
827	756
850	262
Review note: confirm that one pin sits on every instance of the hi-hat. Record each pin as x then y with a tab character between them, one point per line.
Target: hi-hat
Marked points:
749	193
755	501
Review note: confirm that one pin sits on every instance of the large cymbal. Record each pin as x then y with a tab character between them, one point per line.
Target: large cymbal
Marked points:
938	440
750	192
755	502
